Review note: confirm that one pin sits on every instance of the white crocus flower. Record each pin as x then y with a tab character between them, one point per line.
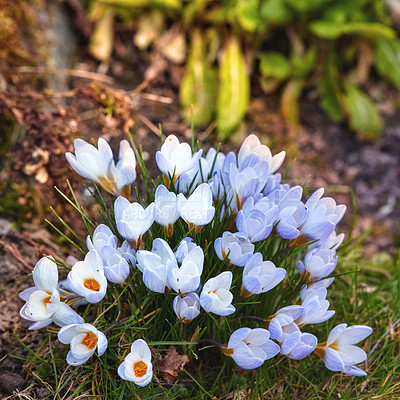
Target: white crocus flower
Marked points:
197	210
252	147
154	264
185	246
102	236
234	247
249	348
186	278
282	318
127	252
339	352
116	268
137	365
133	220
216	297
187	308
43	305
175	158
166	212
260	276
87	278
98	165
84	339
297	345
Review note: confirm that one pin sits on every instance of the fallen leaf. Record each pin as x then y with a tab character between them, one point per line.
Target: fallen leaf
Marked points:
170	365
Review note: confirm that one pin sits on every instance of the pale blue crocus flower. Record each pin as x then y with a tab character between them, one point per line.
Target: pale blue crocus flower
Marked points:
281	319
185	246
339	351
236	248
297	345
175	158
187	308
102	236
133	221
318	264
84	340
154	264
249	348
116	267
166	211
216	297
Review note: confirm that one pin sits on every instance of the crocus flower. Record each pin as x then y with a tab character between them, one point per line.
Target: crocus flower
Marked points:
339	352
197	210
87	278
249	348
102	236
137	365
84	339
154	264
127	252
333	241
235	247
175	158
133	220
318	264
166	212
282	318
186	278
116	268
98	165
252	148
323	216
187	308
260	276
216	297
185	246
297	345
43	305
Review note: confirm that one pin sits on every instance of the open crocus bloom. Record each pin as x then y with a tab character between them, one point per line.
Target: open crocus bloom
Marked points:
249	348
43	305
133	220
84	339
174	158
197	210
137	365
339	352
98	165
216	297
87	278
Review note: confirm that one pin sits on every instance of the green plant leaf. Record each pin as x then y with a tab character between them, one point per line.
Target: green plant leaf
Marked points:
387	60
306	6
233	90
289	105
198	87
274	65
302	66
332	30
248	15
275	12
364	117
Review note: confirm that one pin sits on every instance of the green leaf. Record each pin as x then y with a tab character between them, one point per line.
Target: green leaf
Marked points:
274	65
332	30
233	90
306	6
248	15
198	87
275	12
304	65
290	100
364	117
387	60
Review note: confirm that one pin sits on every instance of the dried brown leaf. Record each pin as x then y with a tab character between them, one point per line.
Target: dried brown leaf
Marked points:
170	365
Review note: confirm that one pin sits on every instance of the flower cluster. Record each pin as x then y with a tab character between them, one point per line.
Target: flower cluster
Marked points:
216	230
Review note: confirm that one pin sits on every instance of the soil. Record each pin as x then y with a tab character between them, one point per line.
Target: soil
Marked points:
35	162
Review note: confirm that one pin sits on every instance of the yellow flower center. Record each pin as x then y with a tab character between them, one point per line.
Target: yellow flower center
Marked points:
140	369
90	340
91	284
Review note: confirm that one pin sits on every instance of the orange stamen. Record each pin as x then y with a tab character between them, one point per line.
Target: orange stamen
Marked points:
90	340
92	284
140	368
46	300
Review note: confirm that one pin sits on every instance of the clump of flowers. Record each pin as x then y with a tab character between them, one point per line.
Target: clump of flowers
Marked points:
221	250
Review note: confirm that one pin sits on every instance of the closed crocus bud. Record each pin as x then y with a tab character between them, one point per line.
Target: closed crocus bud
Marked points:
197	210
175	158
339	352
333	241
186	278
216	297
235	247
260	276
252	147
84	339
249	348
137	365
284	317
318	264
323	216
297	345
102	236
116	268
186	246
87	278
154	264
187	308
133	221
127	252
166	212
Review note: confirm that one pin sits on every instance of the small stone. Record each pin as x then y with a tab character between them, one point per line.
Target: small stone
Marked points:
10	381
